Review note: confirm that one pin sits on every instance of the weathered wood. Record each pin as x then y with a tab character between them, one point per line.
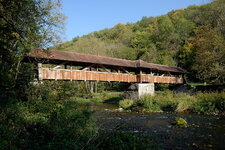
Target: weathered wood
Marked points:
140	76
60	65
124	70
88	67
69	74
108	70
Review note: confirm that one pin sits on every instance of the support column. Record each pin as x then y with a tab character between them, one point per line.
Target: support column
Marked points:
145	89
140	89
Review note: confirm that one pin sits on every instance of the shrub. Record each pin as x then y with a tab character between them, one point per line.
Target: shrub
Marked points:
163	101
150	103
185	102
48	120
123	140
126	103
210	103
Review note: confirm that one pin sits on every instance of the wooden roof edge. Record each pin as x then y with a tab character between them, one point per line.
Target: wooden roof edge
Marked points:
49	54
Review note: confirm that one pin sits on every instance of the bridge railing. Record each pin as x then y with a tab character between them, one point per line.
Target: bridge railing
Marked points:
66	74
161	79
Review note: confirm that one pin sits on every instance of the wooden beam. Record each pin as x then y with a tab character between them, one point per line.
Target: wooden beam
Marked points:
124	70
162	75
85	68
169	73
56	67
104	68
152	73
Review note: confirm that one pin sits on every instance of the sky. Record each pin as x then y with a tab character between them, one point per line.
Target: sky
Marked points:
86	16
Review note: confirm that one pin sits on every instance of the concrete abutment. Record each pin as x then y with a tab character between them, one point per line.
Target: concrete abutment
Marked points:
140	89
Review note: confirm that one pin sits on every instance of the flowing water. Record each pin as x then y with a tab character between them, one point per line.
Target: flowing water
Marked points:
203	132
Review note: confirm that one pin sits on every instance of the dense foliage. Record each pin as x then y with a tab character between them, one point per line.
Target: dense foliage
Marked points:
53	118
192	38
24	25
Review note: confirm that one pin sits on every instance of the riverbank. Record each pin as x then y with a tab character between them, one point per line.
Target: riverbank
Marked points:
52	118
55	116
166	101
203	131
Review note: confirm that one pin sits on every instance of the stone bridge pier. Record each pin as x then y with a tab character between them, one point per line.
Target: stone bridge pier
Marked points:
145	89
138	90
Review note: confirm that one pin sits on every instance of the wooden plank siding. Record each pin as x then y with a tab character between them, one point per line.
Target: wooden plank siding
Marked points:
66	74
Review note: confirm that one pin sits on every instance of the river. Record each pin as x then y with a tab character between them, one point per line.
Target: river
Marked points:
203	131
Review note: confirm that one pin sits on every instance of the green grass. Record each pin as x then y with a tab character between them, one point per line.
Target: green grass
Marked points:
126	103
193	85
82	100
205	103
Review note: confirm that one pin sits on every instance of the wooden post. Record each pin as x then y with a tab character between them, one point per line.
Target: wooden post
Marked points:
40	71
71	72
140	76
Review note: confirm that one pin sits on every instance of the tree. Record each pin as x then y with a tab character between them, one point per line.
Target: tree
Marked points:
209	55
141	40
164	33
184	56
24	25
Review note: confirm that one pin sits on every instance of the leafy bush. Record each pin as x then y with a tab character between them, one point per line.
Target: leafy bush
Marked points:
48	120
45	125
209	103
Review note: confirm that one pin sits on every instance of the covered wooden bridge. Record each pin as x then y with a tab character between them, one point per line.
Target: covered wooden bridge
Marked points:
64	65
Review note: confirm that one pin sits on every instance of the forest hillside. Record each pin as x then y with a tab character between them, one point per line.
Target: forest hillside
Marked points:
192	38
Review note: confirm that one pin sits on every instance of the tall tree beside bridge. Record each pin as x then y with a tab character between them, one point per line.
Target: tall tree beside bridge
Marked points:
24	25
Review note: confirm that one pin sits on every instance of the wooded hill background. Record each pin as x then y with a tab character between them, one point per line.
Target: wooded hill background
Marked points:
191	38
